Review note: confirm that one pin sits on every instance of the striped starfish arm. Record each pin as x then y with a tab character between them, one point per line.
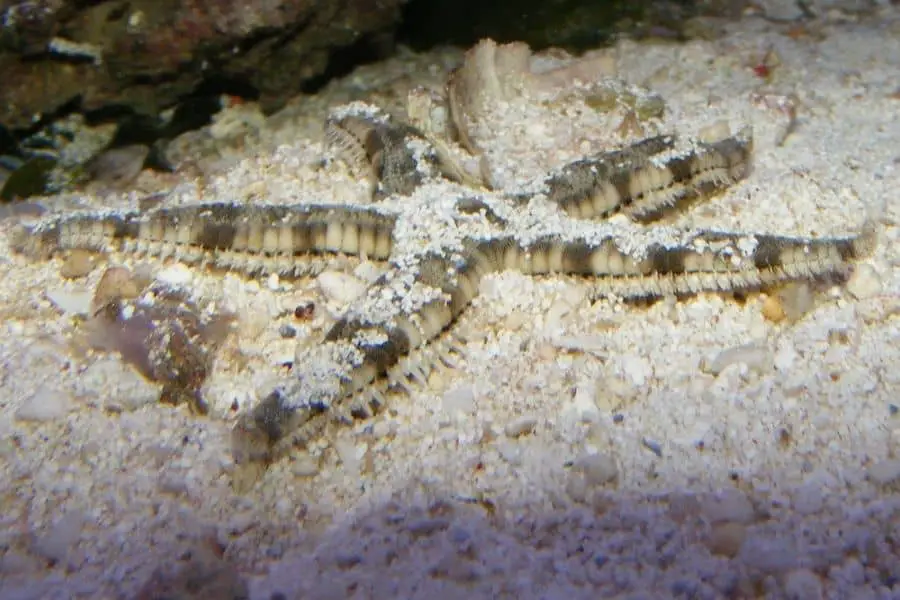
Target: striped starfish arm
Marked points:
702	261
248	238
378	341
643	181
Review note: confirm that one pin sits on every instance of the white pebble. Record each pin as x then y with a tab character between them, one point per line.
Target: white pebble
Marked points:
173	482
340	288
583	407
729	505
45	404
509	451
803	584
864	283
808	499
459	399
55	543
782	10
885	472
71	302
384	428
368	271
305	466
756	357
771	554
520	426
785	357
349	453
638	369
176	275
599	468
590	343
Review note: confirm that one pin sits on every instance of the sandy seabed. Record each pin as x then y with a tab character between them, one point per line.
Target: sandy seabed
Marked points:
690	449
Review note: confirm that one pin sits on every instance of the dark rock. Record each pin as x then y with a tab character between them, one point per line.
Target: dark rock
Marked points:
149	54
30	179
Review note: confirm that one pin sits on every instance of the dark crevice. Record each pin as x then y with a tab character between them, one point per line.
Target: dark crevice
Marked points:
216	85
366	50
65	109
107	114
575	25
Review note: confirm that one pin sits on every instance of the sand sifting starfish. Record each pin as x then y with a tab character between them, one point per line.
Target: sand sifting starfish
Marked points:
447	209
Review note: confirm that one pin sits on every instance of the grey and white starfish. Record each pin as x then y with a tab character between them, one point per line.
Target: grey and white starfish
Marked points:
441	226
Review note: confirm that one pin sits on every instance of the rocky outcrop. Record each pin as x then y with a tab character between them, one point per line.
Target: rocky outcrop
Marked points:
145	54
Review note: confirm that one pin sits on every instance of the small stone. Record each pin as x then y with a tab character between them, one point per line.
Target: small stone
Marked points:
177	275
305	466
864	283
782	10
384	428
653	446
78	263
729	505
347	560
286	331
340	288
119	166
796	299
520	426
610	393
576	487
803	584
368	271
598	468
509	451
427	526
714	132
117	283
808	498
726	539
173	483
770	553
275	551
55	543
885	472
349	453
785	357
45	404
241	523
637	369
459	399
756	357
70	302
304	310
772	309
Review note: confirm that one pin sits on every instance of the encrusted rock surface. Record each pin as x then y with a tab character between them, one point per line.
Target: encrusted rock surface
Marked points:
145	54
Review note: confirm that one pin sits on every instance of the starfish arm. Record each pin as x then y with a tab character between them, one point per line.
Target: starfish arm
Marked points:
704	261
644	184
248	238
401	314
